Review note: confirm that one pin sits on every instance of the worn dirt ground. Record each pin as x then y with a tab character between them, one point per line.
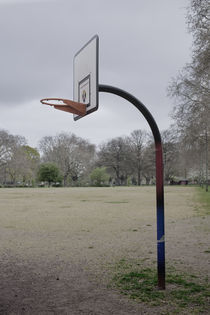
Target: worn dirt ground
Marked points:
57	245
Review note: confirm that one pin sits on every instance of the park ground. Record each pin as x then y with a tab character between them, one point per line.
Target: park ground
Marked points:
62	248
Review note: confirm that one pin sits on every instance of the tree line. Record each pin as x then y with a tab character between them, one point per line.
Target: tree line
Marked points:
69	160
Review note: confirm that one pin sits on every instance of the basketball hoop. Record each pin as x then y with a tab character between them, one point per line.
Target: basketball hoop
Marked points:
66	105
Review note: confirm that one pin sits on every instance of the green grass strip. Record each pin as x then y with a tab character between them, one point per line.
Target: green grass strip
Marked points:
182	291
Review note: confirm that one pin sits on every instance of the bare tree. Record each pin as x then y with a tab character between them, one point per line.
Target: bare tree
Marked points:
115	155
73	155
171	153
137	141
191	88
9	146
148	171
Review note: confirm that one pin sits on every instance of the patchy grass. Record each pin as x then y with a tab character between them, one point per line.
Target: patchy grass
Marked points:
184	292
91	228
204	199
9	227
116	202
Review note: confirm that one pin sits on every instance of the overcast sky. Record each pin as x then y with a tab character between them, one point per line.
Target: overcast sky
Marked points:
142	45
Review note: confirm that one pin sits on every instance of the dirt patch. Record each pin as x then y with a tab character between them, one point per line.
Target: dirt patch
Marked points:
58	245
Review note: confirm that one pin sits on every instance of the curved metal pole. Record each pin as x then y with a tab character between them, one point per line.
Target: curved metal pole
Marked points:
159	177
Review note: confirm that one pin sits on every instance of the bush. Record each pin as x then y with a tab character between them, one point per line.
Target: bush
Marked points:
99	177
49	172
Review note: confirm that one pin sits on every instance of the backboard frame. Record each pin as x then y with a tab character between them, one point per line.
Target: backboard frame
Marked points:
89	77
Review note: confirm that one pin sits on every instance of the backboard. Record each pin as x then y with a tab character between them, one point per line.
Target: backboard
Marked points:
85	89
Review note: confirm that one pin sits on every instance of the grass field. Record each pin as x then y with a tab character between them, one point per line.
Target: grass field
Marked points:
59	248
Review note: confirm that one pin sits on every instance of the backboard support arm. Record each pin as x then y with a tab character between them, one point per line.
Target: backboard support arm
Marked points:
159	177
67	105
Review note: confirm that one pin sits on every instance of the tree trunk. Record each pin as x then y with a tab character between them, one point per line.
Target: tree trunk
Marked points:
139	178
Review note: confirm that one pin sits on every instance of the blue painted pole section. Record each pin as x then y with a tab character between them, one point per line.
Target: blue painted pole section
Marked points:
161	248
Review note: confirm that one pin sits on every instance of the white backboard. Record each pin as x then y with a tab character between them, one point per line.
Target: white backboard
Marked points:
86	76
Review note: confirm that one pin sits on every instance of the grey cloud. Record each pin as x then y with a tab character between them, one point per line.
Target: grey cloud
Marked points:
39	40
142	44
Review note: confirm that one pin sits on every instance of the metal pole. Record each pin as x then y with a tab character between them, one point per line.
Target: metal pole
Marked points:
159	177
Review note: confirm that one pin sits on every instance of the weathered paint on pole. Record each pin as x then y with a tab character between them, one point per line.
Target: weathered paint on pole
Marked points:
159	177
